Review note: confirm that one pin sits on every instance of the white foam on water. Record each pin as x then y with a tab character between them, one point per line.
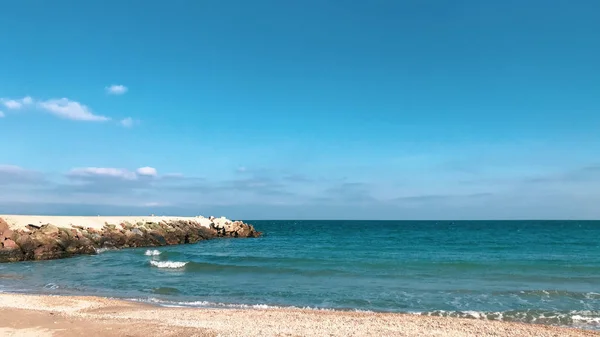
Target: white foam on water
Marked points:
580	319
592	295
364	311
51	286
475	314
168	264
207	304
586	317
152	252
102	250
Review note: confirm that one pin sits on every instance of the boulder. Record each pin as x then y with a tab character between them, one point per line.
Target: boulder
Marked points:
204	222
174	236
127	225
11	255
49	230
136	238
27	244
49	246
95	238
205	232
50	252
113	238
158	238
10	244
51	242
137	231
221	222
7	234
3	226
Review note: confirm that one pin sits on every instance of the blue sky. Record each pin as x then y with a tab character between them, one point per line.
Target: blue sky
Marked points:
301	109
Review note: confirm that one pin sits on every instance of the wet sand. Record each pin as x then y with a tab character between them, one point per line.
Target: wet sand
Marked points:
67	316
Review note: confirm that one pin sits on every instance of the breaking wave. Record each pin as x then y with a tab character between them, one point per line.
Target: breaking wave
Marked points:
168	264
585	319
152	252
588	319
208	304
102	250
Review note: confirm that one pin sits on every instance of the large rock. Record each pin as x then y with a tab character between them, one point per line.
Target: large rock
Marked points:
51	242
10	254
10	244
7	234
49	230
3	226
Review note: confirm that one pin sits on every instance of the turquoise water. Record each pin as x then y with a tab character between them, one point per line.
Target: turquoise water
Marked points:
531	271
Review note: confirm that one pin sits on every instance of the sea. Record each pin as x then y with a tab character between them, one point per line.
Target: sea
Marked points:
545	272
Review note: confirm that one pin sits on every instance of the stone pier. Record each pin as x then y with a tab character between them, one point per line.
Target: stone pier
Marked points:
25	238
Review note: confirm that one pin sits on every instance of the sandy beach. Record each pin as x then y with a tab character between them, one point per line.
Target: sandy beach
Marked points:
62	316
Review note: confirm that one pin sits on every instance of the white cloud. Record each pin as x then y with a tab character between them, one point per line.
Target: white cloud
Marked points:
126	122
12	174
13	169
116	89
61	107
110	172
147	171
65	108
15	104
173	175
155	204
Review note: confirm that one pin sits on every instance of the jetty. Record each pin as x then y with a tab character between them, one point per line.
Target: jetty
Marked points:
28	237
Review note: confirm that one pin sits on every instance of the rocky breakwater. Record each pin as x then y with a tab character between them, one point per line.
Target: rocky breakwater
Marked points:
43	238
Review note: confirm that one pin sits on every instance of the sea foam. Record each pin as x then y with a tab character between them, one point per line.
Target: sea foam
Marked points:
102	250
168	264
151	252
207	304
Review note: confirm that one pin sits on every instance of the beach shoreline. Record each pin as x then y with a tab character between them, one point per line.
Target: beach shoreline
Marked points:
68	316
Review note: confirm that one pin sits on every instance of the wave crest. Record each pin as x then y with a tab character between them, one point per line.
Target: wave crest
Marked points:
102	250
152	252
576	318
168	264
207	304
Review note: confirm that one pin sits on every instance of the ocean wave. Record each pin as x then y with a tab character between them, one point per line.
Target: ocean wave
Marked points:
102	250
152	252
208	304
207	267
577	318
561	293
165	291
168	264
51	286
586	319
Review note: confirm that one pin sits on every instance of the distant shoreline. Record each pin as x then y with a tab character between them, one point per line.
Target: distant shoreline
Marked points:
69	316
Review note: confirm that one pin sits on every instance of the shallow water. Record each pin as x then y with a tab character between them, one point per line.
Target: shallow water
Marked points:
531	271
